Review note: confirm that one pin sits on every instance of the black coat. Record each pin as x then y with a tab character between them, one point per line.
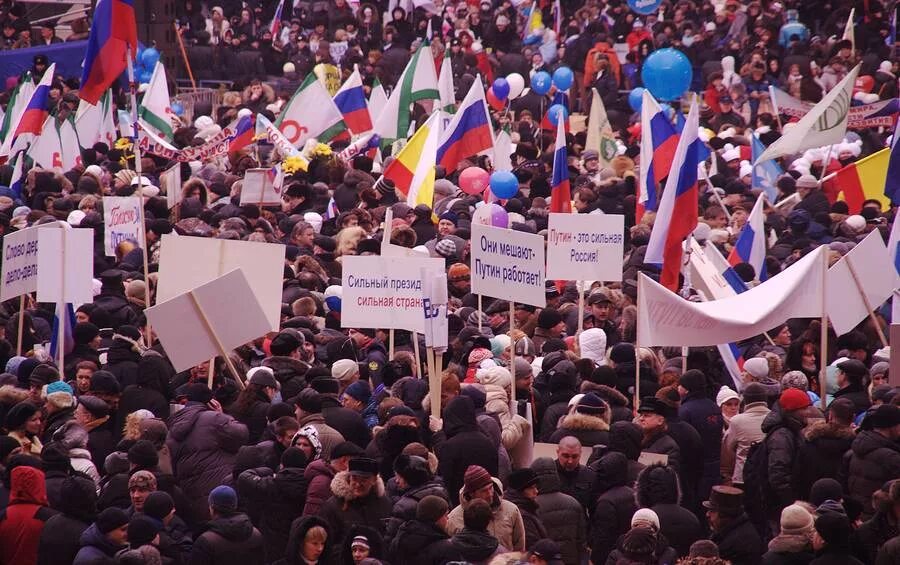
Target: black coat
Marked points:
534	528
297	534
739	542
349	422
680	526
280	498
56	421
856	394
423	543
579	484
61	539
342	510
822	453
615	506
871	535
229	540
872	461
136	397
782	442
117	306
834	556
122	362
253	416
461	444
475	547
101	443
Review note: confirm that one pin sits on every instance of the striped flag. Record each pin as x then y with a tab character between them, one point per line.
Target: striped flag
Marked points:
31	122
418	82
154	111
445	84
18	100
469	132
413	169
750	246
560	192
276	21
298	123
351	101
17	181
66	312
865	179
658	143
113	34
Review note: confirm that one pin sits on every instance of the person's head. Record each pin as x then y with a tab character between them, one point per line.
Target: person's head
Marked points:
284	428
90	408
294	195
143	530
525	481
600	305
545	552
314	544
724	505
303	234
223	501
342	454
796	521
832	527
433	510
113	524
885	420
729	403
851	372
24	417
363	476
140	485
794	402
359	548
651	415
83	372
568	453
477	515
478	484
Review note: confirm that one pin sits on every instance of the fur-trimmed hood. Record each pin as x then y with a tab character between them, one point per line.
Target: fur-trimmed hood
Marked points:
12	395
791	543
657	484
340	486
578	421
607	393
821	429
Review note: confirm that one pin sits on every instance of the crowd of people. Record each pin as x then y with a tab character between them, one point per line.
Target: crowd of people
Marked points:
329	450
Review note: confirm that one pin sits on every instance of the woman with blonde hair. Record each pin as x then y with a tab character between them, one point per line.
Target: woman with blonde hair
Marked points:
347	239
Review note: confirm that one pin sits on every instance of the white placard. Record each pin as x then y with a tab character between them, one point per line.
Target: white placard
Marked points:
385	292
66	257
230	306
121	221
188	262
170	183
508	264
20	263
585	246
258	188
846	307
434	306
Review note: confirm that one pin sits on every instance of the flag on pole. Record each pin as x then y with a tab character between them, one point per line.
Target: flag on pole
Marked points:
417	82
824	124
658	143
469	132
70	156
377	99
848	29
892	182
560	192
276	21
46	150
557	17
31	122
445	84
244	133
155	112
734	362
17	181
765	174
894	249
18	100
311	112
413	169
865	179
750	246
677	214
600	136
351	101
113	32
64	314
533	20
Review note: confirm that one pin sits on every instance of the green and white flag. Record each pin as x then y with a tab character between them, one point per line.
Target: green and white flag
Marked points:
17	103
445	84
600	136
418	82
155	112
377	100
310	113
94	122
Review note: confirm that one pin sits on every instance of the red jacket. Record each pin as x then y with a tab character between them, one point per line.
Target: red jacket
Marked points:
23	520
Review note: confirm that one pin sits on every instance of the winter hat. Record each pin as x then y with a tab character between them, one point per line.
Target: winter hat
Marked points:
413	469
95	405
84	332
757	367
639	543
293	457
59	395
622	353
476	477
825	489
110	519
158	504
832	524
521	479
725	394
457	272
645	517
431	509
704	548
197	392
592	343
360	390
591	404
795	379
142	530
363	467
693	380
143	480
42	375
223	499
262	376
522	368
796	521
548	318
794	399
55	458
309	401
325	385
143	454
19	414
344	449
344	370
883	393
105	382
445	248
807	181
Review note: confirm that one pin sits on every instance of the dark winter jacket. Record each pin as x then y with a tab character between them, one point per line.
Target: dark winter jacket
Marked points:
343	510
253	416
388	443
96	548
562	516
289	372
704	416
782	442
461	444
405	505
889	554
872	534
589	430
789	550
228	540
113	301
534	528
657	489
873	460
821	454
349	422
422	542
857	394
559	406
122	361
55	421
297	534
739	542
662	443
203	444
834	556
475	547
61	536
579	484
615	506
618	403
627	438
318	476
279	498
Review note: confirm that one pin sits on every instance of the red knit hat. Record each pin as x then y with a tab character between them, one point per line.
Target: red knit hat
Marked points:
794	399
476	477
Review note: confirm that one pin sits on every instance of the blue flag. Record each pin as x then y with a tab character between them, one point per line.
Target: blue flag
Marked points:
765	174
892	182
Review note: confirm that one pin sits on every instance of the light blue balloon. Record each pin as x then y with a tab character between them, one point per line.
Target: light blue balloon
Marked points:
553	114
667	73
149	58
563	78
636	98
144	76
541	82
504	184
177	108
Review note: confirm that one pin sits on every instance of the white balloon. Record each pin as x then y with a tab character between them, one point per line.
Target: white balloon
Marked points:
516	85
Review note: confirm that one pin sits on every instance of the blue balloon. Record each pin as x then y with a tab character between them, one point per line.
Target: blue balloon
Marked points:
667	73
540	83
636	98
150	57
563	78
504	184
144	76
501	88
668	110
177	108
553	114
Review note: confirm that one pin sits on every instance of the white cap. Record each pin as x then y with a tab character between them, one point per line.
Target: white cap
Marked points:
757	367
726	394
710	26
856	222
203	122
94	170
244	112
645	516
314	219
746	169
75	217
575	400
731	154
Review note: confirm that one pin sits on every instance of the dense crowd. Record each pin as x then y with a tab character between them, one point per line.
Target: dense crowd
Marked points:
332	453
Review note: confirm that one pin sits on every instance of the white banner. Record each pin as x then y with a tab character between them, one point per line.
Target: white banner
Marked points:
170	183
259	189
846	307
66	257
508	264
385	292
434	305
122	222
20	263
666	319
585	247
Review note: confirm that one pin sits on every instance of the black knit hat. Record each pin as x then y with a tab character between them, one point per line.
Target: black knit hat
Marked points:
293	457
548	318
142	530
143	454
19	414
693	380
431	509
158	504
110	519
521	479
413	469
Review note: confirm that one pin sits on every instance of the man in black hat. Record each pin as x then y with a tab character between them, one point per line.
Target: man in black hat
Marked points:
874	455
732	531
295	199
371	352
286	363
545	552
850	375
92	413
523	492
498	316
652	420
358	499
112	299
601	307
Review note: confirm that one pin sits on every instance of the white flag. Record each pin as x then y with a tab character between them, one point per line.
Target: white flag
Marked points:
600	136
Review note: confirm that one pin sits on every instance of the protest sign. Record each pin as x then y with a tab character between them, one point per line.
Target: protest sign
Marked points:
859	282
188	262
259	189
585	246
664	318
199	324
66	258
508	264
170	183
20	262
122	222
434	306
385	292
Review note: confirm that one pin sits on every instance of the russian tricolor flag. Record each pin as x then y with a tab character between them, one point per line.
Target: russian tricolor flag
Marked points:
113	32
245	131
560	192
35	114
677	214
750	246
276	21
734	362
658	142
351	101
469	132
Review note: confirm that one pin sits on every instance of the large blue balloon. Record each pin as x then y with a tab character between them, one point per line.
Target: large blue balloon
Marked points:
177	108
667	73
563	78
636	98
553	114
144	76
149	58
501	88
504	184
541	82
